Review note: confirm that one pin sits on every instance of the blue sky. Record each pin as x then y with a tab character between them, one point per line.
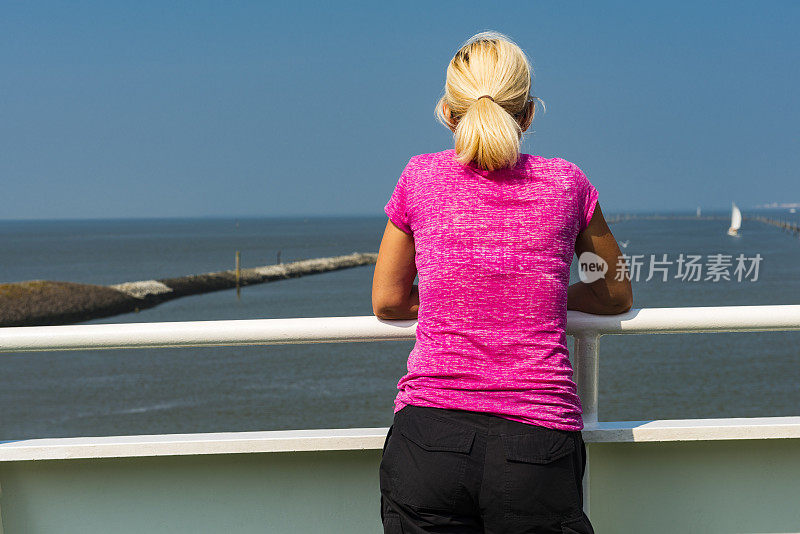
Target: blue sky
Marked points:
170	109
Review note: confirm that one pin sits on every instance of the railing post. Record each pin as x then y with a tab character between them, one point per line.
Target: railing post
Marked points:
586	371
587	367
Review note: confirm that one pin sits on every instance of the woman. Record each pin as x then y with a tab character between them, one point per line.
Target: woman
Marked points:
486	432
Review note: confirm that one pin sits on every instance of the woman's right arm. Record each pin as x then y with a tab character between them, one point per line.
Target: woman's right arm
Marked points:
609	295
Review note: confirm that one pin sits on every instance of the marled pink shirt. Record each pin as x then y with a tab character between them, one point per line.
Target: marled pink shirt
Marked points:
493	253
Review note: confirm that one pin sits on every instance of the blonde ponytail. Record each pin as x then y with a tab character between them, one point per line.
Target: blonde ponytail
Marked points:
487	130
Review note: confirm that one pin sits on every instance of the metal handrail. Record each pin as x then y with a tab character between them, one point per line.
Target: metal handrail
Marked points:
586	329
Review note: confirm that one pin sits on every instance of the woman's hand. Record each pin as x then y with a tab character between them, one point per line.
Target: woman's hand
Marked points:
394	294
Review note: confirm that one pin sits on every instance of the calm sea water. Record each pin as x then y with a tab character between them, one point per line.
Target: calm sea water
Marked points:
216	389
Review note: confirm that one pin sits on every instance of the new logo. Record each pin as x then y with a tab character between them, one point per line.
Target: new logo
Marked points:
591	267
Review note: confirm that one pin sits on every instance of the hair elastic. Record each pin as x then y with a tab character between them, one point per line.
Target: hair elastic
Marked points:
484	96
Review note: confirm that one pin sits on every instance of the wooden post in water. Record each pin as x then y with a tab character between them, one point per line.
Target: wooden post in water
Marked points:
238	275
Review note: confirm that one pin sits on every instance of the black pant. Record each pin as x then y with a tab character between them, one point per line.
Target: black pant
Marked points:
458	471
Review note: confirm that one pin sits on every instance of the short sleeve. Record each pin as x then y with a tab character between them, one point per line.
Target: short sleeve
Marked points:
587	198
397	207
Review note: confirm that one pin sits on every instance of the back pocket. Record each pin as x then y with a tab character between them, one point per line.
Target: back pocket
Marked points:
427	462
539	475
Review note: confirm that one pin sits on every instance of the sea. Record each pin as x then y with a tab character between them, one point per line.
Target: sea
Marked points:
333	385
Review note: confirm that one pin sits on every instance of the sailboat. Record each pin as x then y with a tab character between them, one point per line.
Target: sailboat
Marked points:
698	212
736	220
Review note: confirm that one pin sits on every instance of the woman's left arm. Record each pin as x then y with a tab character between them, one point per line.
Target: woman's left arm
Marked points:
394	294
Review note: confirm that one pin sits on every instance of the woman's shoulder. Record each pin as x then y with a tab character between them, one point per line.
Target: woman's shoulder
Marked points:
555	164
562	173
431	164
433	158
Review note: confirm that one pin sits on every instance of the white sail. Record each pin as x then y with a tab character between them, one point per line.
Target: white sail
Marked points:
736	220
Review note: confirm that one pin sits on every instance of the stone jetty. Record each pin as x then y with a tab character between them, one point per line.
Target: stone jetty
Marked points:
45	302
789	227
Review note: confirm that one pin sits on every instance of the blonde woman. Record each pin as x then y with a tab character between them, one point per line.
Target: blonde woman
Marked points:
486	432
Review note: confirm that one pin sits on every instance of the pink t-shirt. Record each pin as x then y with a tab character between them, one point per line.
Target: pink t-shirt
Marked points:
493	254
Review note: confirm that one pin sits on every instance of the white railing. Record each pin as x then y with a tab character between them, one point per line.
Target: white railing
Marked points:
585	328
